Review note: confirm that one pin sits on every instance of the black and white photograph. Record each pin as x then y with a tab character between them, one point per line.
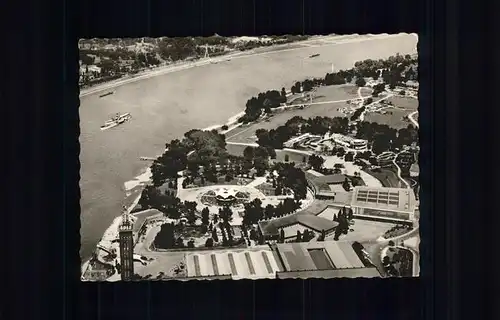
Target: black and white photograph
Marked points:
271	157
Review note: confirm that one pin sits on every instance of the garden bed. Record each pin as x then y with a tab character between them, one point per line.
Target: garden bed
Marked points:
397	231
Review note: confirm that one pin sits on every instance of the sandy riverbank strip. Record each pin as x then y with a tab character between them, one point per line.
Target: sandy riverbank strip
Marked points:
165	69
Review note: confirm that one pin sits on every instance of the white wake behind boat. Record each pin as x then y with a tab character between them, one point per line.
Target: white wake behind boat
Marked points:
116	120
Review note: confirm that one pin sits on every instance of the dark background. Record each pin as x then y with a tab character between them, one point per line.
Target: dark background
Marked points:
40	263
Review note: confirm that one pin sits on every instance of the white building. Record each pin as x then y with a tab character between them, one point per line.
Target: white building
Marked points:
391	204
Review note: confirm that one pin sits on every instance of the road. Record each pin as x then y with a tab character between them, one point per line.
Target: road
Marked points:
399	171
374	247
412	119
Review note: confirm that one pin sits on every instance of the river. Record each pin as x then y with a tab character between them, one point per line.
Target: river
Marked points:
166	106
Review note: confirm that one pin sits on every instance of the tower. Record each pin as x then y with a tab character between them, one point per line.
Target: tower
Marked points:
126	246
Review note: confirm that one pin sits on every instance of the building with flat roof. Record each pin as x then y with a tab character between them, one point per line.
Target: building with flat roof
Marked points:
142	217
290	224
321	185
349	142
330	274
392	204
326	259
251	263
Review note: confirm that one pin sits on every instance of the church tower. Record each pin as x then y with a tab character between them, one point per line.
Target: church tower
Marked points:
126	246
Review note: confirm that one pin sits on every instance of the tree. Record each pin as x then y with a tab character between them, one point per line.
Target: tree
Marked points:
391	243
349	156
86	59
316	162
249	152
194	168
226	215
261	165
165	239
360	82
283	93
299	236
322	236
386	261
209	243
205	216
214	235
278	191
350	214
190	244
180	242
269	211
253	234
381	143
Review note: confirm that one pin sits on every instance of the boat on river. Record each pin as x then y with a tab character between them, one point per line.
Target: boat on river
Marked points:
116	120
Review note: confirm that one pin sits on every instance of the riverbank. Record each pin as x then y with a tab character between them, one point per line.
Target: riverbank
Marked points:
177	66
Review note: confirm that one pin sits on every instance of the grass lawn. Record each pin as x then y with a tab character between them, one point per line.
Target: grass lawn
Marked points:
394	118
340	92
246	133
387	177
405	103
267	189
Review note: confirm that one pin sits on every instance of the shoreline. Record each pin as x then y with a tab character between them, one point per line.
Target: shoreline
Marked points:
166	69
140	184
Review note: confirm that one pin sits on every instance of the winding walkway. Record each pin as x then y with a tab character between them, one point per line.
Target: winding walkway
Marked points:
399	172
412	119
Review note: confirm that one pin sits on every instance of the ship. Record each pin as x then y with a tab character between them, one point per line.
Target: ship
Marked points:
106	94
116	120
314	55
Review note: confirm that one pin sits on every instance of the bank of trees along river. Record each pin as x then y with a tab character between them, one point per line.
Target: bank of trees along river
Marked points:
118	57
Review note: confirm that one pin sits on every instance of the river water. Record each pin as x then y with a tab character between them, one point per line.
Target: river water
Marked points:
166	106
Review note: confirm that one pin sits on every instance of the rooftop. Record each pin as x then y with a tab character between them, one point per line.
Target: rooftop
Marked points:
142	216
322	183
311	221
324	255
390	199
328	274
331	179
247	263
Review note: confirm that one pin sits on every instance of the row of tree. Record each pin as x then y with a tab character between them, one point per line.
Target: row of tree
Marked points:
264	101
395	70
384	138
